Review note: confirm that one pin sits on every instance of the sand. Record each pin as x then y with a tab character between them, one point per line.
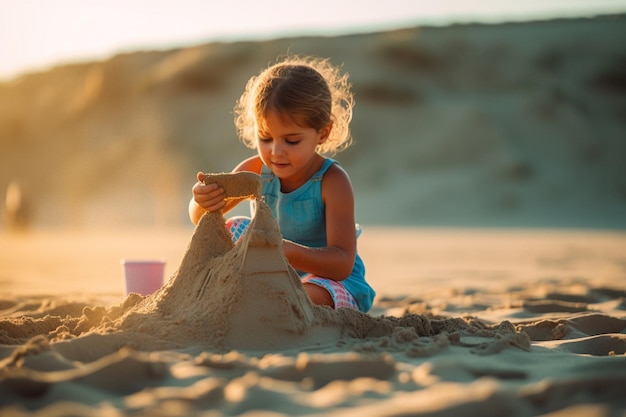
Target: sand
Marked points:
232	333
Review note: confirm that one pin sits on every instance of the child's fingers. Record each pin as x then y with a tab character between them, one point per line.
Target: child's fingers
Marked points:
210	190
210	197
214	200
214	191
216	207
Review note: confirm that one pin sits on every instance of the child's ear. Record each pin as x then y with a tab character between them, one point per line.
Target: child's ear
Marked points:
325	132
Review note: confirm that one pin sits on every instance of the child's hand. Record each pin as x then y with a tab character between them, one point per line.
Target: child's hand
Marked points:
210	197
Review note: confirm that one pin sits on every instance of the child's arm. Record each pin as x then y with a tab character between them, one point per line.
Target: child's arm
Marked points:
336	260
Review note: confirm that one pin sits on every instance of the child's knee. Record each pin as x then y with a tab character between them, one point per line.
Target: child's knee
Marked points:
319	295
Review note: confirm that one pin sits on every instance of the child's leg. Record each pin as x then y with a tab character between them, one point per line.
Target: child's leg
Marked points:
237	226
319	295
324	291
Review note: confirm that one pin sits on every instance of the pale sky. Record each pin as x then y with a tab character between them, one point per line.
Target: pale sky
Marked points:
36	34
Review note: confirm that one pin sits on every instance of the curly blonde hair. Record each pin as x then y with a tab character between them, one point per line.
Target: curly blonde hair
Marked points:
309	90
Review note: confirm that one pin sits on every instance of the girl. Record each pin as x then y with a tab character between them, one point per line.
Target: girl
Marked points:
292	113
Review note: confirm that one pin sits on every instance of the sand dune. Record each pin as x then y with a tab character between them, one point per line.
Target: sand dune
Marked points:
507	125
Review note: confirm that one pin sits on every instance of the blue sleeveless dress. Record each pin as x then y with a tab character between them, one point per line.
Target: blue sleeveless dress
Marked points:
301	216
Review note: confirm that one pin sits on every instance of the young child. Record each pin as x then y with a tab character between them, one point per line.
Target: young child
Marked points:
294	112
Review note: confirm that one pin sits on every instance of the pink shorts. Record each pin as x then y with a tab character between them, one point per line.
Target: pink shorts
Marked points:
341	297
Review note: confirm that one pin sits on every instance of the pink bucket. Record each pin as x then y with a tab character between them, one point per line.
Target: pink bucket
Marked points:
143	277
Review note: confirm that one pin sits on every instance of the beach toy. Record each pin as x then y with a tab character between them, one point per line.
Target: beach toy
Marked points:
237	225
143	277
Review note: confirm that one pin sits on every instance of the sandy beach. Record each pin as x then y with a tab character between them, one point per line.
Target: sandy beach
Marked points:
488	321
488	168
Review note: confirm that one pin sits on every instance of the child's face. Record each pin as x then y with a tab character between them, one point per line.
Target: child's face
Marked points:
287	148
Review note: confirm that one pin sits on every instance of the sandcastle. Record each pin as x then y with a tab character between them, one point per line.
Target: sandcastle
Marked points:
243	296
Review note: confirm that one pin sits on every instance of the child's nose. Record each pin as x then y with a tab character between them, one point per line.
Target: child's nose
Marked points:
277	148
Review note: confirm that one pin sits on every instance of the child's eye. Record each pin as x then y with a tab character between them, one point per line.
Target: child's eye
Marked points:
292	141
261	139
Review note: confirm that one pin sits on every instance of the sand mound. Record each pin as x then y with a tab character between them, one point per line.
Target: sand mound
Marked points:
225	296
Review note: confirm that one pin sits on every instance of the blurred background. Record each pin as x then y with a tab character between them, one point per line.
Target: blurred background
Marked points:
468	114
